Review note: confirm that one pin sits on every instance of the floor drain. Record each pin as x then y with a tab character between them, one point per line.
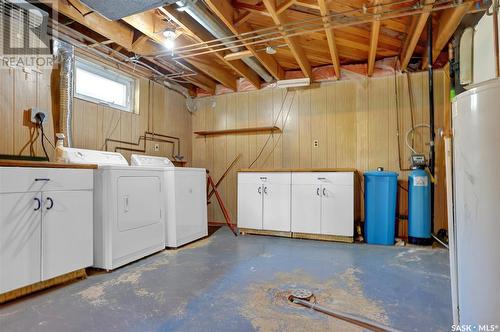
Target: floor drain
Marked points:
302	294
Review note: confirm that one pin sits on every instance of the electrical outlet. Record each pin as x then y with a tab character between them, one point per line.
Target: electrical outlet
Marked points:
157	147
315	143
34	111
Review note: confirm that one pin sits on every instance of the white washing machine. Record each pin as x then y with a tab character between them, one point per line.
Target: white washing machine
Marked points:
128	210
185	200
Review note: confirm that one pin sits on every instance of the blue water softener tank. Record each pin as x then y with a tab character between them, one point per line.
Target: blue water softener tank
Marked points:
419	207
381	189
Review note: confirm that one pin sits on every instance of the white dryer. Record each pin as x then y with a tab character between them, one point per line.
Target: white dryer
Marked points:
185	200
128	211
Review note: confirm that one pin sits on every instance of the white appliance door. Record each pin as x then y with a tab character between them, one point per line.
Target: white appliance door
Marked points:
138	202
139	227
306	208
277	197
20	235
66	232
337	210
191	206
476	118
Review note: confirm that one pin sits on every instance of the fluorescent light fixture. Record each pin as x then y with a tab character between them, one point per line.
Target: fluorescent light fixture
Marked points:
295	83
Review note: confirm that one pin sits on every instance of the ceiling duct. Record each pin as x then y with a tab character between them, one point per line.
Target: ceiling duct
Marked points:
198	12
117	9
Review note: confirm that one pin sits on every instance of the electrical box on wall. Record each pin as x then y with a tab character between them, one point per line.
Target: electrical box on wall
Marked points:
43	115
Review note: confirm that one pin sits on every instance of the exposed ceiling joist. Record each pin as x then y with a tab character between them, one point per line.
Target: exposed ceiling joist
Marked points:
242	18
226	13
118	32
238	55
414	33
284	6
448	23
188	24
330	37
292	42
372	52
150	24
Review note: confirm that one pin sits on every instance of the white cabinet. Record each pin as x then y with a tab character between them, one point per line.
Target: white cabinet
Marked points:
66	235
264	201
323	203
306	208
20	238
46	218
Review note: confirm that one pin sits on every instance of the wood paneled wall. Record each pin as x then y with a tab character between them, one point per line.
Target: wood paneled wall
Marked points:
355	123
160	110
20	91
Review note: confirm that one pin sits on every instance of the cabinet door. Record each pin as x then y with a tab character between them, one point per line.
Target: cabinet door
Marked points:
20	224
67	232
276	211
249	205
337	210
306	208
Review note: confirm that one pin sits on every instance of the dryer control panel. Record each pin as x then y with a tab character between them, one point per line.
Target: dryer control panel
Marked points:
84	156
151	161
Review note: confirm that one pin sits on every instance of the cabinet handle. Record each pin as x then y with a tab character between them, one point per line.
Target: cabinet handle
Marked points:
126	203
259	190
265	190
263	178
317	191
38	204
322	179
51	203
42	179
324	191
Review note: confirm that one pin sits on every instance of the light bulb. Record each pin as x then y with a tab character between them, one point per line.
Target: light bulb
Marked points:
169	44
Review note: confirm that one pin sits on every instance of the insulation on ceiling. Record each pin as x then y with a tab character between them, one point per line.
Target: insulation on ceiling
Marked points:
117	9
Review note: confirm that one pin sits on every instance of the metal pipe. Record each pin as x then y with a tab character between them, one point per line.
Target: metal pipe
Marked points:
200	14
65	54
256	36
495	37
359	321
432	152
212	49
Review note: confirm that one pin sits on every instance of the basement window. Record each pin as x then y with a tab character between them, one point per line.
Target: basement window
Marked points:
102	85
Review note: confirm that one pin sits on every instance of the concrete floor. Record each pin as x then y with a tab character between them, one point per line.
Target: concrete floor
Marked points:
224	283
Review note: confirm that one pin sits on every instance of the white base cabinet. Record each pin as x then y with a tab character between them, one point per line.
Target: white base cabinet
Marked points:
264	201
46	224
298	202
323	203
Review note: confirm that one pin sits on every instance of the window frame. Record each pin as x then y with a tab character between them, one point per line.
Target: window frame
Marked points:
110	74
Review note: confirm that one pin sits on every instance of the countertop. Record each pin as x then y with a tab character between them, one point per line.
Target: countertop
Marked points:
270	170
43	164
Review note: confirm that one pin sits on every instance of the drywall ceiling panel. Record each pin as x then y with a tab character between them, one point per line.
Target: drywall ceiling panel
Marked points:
117	9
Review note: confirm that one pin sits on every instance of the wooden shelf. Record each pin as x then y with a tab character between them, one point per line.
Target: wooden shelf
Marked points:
238	131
